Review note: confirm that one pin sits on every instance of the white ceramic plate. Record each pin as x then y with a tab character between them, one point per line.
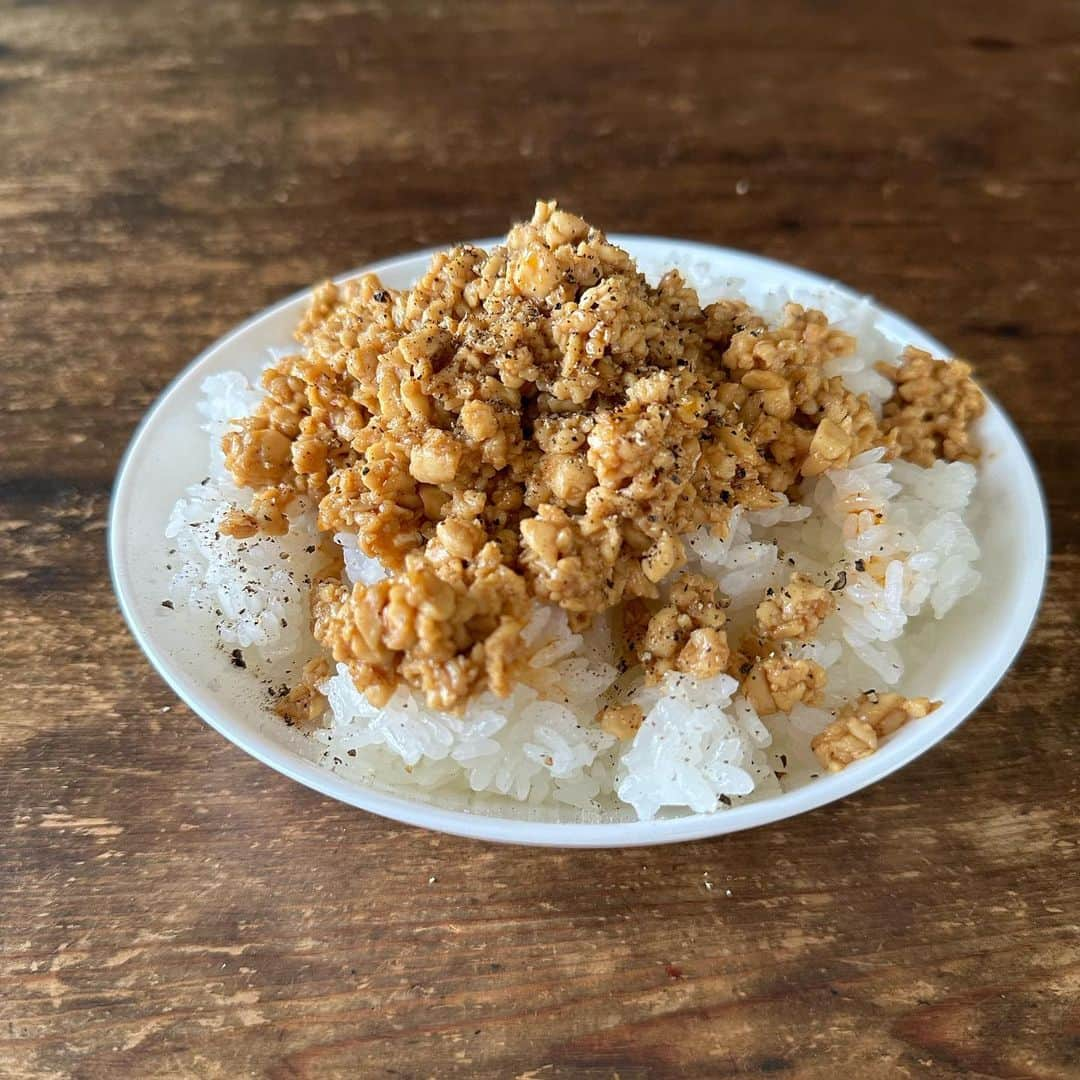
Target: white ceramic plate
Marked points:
168	452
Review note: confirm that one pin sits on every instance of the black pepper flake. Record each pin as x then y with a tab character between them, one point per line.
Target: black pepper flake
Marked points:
725	800
168	604
860	564
841	581
236	658
381	296
783	760
310	549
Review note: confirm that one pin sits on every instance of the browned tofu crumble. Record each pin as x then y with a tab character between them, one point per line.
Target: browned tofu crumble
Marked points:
687	634
777	683
795	611
304	704
538	423
859	727
930	414
622	721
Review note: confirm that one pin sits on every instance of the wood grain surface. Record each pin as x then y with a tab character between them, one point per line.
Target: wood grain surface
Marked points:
168	906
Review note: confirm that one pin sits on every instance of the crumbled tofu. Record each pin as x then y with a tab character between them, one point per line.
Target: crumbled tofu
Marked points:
932	409
305	704
687	634
794	611
622	721
239	524
858	729
539	423
778	683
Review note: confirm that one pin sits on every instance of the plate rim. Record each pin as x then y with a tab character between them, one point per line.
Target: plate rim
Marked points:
524	831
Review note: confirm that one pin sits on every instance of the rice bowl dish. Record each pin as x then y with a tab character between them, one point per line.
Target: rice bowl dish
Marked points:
235	688
703	743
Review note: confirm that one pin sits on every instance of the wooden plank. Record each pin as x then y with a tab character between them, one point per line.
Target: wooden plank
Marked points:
171	907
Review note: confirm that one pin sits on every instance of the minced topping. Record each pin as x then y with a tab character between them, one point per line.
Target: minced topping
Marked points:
860	725
539	423
795	611
622	721
777	683
930	414
239	524
687	634
304	704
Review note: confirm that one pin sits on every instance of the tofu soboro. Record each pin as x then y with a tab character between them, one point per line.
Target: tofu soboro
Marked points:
539	423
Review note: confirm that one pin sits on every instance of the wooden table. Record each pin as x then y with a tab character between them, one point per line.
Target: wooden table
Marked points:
170	907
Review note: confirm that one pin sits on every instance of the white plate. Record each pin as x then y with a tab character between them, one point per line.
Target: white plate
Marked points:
168	452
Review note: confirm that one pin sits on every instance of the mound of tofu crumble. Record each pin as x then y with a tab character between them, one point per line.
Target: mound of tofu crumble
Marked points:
538	427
